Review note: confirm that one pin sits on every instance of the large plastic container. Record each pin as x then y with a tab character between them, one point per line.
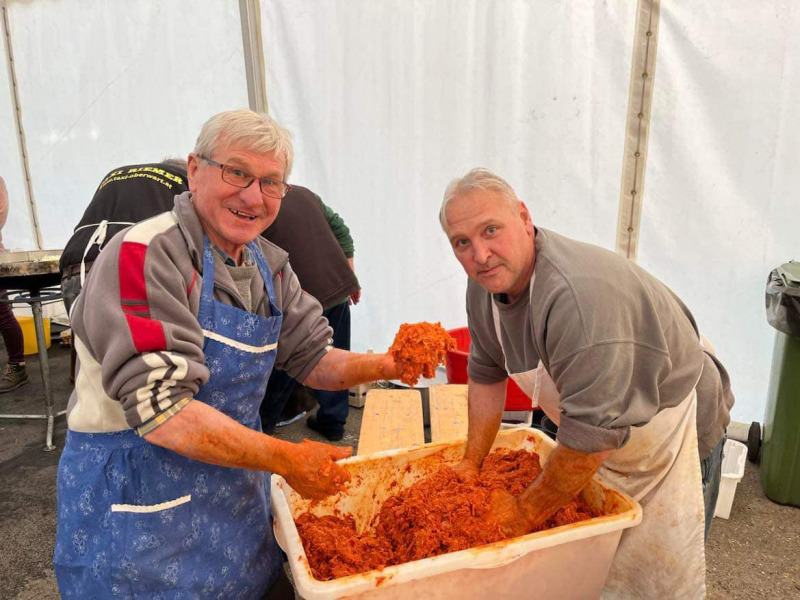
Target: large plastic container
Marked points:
28	327
456	368
564	562
780	453
735	457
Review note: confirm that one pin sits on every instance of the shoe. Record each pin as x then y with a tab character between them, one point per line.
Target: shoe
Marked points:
328	435
14	377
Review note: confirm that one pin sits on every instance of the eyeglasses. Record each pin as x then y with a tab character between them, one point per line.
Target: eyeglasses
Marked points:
242	179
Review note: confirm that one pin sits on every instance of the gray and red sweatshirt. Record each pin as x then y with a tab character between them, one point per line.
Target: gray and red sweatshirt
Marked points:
135	328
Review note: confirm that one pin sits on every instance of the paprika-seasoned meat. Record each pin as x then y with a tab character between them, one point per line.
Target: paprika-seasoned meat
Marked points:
434	516
418	348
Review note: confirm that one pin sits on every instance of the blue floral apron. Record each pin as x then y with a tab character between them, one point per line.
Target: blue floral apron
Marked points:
138	520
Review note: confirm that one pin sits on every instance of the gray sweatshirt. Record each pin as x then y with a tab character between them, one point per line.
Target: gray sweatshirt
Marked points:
139	344
619	345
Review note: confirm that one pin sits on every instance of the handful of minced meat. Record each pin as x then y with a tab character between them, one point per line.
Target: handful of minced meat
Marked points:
418	348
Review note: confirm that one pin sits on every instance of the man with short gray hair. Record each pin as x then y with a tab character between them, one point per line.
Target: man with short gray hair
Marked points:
163	485
614	358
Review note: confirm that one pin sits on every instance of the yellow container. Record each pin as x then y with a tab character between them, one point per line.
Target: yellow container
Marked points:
29	334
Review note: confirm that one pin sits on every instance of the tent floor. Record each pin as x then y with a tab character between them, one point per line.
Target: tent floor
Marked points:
752	555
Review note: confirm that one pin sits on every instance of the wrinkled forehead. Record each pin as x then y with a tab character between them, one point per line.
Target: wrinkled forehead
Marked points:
260	164
476	208
481	201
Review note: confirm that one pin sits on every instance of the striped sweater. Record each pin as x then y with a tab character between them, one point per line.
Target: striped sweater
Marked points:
138	341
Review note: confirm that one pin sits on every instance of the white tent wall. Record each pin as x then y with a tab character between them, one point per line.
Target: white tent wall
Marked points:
391	100
17	233
721	201
103	84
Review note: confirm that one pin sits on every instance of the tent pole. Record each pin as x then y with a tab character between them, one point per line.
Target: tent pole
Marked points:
12	77
250	12
637	128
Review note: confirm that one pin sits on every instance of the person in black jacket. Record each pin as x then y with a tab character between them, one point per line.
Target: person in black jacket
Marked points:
321	253
125	196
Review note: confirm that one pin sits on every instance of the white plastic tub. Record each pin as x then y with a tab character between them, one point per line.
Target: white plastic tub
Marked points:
564	562
733	461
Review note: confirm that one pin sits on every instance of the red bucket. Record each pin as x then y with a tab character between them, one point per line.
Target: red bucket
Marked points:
456	367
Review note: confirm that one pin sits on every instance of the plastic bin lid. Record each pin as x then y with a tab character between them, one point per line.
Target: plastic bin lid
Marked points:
790	273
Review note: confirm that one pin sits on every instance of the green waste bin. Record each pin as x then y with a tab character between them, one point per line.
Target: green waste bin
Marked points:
780	458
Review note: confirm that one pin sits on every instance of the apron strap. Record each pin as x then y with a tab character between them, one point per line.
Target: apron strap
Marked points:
208	270
207	294
77	229
98	237
266	275
496	319
523	380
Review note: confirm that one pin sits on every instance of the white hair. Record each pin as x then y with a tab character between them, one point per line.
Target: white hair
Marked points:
248	130
477	179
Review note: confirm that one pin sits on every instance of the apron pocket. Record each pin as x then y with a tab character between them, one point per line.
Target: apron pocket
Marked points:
154	555
152	508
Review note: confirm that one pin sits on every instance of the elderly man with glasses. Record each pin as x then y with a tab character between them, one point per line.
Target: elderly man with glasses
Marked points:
163	483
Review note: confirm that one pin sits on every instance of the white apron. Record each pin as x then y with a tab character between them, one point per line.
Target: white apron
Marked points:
664	556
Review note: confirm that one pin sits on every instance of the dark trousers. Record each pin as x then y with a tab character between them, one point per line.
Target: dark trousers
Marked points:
333	406
12	333
711	472
70	288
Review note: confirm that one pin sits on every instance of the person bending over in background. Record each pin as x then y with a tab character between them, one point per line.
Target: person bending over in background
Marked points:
125	196
623	372
321	252
14	374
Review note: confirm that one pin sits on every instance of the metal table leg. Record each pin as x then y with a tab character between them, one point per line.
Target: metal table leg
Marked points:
35	301
36	309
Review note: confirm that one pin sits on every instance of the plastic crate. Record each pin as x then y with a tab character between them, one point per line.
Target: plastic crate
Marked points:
535	565
456	369
734	459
